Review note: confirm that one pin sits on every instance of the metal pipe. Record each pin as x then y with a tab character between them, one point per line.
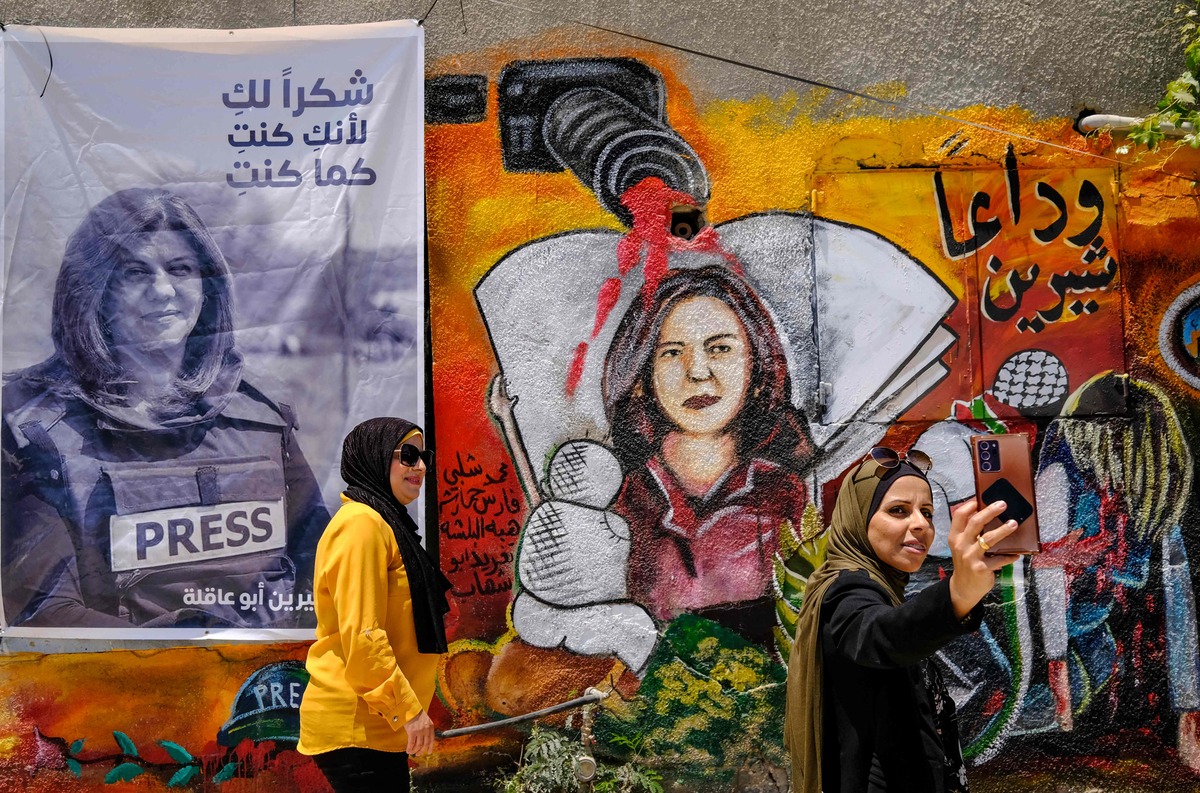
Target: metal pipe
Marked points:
1112	123
585	764
589	696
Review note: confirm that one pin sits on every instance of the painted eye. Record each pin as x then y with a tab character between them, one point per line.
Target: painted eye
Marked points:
670	352
719	349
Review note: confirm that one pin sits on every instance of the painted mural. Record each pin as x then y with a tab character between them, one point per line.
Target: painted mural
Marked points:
663	326
674	324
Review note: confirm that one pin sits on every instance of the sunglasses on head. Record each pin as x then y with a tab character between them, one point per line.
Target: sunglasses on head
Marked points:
889	459
409	454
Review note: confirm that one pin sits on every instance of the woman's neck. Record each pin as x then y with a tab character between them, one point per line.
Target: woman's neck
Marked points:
698	461
151	371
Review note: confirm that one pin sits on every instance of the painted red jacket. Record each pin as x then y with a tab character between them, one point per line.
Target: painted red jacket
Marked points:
692	553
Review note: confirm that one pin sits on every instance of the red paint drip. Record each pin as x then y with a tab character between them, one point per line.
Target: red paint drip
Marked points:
651	243
610	293
575	371
606	301
650	202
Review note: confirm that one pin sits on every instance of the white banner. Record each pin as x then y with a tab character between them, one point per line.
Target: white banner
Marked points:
213	269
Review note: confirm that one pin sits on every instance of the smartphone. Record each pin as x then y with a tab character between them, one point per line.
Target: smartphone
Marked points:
1004	472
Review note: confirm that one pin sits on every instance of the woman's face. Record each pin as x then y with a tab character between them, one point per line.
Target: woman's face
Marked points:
901	530
154	295
406	480
701	366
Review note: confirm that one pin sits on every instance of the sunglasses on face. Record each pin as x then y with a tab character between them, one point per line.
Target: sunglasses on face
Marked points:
889	459
409	455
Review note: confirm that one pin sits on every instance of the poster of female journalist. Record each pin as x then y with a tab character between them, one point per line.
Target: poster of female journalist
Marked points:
212	268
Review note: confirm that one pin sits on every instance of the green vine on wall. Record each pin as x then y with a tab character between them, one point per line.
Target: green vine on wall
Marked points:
130	764
1178	107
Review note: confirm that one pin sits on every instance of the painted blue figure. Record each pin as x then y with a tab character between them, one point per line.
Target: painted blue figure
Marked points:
1191	333
145	481
1113	581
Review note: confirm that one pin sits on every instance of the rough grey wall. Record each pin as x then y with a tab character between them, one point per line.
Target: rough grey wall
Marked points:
1051	57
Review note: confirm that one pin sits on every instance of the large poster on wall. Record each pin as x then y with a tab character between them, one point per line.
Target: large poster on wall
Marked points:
212	270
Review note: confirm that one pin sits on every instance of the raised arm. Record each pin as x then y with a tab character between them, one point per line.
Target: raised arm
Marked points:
867	629
500	405
974	569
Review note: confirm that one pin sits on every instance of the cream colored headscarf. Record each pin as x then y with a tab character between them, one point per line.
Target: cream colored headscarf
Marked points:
848	549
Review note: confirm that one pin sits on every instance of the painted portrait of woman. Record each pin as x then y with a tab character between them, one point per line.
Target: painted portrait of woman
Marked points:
146	482
698	397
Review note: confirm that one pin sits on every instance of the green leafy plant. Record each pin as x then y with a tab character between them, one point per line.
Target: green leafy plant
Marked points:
630	778
1178	106
634	745
633	776
547	765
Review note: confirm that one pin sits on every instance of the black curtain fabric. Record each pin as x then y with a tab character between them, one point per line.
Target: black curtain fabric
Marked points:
366	465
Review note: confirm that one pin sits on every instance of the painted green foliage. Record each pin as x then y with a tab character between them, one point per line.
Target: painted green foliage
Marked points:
226	773
131	764
123	773
183	776
127	746
710	699
800	554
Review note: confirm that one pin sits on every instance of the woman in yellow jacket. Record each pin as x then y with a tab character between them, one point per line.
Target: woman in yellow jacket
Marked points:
380	600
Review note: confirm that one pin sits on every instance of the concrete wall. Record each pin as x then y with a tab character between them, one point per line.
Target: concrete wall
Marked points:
905	275
1052	59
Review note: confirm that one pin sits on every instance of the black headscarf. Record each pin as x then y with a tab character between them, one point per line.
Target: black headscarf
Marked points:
366	467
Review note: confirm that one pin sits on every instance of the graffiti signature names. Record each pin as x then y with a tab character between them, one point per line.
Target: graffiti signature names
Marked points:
255	94
480	510
1099	269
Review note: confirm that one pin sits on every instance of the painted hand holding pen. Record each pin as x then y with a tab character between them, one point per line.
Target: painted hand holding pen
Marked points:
573	562
574	553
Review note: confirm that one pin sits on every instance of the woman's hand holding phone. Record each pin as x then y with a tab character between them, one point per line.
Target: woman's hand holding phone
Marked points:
974	569
1003	470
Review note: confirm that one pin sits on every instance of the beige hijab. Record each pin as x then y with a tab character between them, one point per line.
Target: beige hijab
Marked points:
848	549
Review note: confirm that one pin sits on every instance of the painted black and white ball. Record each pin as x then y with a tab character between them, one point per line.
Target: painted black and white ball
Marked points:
1032	381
